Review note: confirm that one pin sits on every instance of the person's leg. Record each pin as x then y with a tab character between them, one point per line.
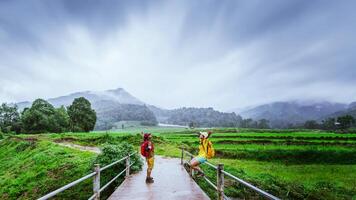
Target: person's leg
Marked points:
150	163
149	170
194	164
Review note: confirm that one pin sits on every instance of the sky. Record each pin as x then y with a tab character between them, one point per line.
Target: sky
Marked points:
224	54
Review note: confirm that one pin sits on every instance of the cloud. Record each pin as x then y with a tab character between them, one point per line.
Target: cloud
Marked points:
180	53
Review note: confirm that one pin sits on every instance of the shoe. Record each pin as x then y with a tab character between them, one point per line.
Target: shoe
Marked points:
200	174
149	180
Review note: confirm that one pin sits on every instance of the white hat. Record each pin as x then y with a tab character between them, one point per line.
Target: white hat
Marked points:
205	134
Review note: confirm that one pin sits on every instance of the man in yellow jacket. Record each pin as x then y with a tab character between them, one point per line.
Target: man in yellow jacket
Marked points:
202	156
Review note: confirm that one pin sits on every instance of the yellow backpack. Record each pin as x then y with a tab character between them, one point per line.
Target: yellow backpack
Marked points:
210	151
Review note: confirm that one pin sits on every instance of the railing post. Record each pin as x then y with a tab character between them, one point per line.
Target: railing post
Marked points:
191	169
128	165
182	156
220	181
96	182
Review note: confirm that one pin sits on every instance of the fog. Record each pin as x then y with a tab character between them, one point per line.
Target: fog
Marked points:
221	54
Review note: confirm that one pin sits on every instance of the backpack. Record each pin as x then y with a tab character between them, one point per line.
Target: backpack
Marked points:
145	151
210	151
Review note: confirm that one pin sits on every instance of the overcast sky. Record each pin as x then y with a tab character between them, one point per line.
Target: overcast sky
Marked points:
224	54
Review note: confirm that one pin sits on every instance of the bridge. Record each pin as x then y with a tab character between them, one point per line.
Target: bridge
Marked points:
172	181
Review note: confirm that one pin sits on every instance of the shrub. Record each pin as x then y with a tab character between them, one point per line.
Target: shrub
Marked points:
111	153
23	145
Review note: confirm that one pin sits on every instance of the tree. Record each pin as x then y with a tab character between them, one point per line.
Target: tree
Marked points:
36	118
192	125
263	124
329	124
9	118
345	122
246	123
60	120
82	116
42	117
311	124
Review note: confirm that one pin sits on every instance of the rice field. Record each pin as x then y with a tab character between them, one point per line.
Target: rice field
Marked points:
290	165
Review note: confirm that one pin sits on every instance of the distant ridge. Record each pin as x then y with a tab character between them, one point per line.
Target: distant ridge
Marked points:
118	95
281	114
111	106
114	106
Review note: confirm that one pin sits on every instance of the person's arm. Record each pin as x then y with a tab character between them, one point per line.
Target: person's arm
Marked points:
209	133
149	145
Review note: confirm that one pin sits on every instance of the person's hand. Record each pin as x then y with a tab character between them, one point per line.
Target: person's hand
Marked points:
209	133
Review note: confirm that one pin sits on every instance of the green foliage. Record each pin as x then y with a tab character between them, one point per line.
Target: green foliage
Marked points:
111	153
291	164
61	120
263	124
311	124
329	124
30	168
345	122
42	117
203	117
1	135
9	118
111	115
248	123
82	116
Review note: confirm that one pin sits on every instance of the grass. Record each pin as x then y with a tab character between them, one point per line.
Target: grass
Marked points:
290	164
34	165
31	168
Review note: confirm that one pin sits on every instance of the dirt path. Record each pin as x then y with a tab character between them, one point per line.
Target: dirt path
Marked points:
171	182
79	147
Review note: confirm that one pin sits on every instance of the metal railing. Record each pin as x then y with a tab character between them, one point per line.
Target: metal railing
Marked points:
96	180
220	172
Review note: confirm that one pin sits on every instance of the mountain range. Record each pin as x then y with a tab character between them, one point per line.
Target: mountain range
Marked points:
113	106
283	114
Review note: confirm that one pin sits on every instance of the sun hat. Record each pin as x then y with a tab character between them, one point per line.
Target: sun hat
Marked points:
205	134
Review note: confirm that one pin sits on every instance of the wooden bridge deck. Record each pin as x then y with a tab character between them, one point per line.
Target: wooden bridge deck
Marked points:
171	182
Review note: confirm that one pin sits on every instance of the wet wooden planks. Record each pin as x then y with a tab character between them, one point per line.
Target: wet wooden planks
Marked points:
171	182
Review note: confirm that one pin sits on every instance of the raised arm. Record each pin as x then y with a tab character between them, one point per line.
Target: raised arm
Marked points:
209	133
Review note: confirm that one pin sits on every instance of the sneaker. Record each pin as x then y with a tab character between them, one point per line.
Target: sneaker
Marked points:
200	174
149	180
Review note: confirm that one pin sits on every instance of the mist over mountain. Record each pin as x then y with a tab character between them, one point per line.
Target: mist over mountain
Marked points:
351	110
118	95
283	114
113	106
109	113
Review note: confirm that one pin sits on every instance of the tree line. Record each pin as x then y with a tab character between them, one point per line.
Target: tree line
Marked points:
43	117
340	123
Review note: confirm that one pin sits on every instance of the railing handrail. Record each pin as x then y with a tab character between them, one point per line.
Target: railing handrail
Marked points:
53	193
263	193
69	185
254	188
